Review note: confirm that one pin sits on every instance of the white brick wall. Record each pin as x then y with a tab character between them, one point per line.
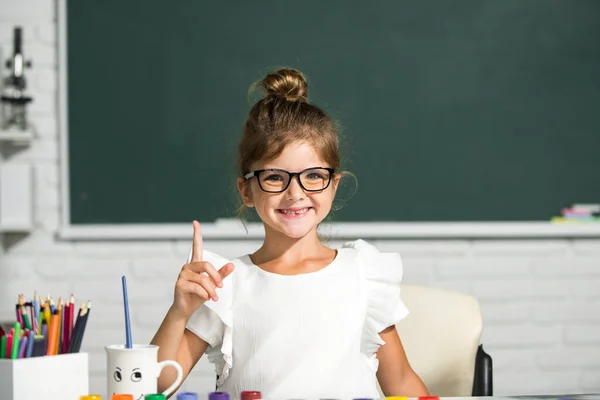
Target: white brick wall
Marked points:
540	299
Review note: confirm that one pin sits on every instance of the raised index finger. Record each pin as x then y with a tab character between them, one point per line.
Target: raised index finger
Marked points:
197	243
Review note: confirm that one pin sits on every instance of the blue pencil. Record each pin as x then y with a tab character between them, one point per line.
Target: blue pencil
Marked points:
30	343
36	306
126	305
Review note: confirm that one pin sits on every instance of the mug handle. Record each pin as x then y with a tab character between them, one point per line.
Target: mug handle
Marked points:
174	364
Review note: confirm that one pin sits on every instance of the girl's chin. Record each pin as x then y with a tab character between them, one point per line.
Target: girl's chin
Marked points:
294	228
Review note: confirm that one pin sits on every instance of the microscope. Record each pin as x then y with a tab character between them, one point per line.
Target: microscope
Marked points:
14	99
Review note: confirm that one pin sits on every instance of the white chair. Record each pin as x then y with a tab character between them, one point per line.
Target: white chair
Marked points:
441	337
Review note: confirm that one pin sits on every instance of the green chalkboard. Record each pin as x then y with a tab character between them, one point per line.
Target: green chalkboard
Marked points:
462	110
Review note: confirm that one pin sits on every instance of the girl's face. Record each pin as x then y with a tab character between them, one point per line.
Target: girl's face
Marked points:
295	212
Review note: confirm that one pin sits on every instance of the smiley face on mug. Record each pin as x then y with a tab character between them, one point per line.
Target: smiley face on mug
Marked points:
126	377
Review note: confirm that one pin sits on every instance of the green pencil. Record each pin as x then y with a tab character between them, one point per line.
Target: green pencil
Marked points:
25	318
16	341
3	347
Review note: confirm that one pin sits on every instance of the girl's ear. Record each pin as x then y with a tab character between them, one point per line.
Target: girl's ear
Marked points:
335	181
245	192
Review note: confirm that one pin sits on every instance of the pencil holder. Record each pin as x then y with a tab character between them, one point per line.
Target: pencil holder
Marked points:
60	377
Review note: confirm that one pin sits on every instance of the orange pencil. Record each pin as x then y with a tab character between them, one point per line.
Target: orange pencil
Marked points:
53	333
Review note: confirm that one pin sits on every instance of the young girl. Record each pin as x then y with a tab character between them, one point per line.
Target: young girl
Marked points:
296	319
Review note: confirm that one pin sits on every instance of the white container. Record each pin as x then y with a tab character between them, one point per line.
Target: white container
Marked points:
60	377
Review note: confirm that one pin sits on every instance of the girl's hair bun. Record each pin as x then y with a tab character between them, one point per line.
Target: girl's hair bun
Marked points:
286	82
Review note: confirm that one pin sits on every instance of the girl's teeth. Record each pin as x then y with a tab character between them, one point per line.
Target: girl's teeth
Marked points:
289	212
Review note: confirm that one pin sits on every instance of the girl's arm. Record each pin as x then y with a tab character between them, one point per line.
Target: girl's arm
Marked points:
177	343
396	376
197	283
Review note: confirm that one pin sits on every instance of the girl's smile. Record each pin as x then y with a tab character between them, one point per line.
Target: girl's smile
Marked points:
294	213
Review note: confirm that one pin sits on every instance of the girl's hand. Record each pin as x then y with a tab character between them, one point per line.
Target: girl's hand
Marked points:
198	280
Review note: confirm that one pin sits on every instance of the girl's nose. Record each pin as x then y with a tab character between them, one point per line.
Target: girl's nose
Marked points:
294	191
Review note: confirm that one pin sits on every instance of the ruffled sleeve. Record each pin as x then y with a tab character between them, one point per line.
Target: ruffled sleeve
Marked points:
213	322
382	274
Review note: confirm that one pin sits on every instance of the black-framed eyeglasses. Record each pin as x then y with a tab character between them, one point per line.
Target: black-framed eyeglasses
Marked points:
276	180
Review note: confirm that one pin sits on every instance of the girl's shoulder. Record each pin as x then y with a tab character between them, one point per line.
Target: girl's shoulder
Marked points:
375	263
382	276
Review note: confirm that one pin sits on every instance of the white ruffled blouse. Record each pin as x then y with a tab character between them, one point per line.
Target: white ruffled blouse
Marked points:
307	336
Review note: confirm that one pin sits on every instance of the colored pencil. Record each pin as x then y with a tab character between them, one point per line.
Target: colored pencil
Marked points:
59	337
76	329
16	340
30	344
65	330
25	318
36	305
71	316
47	312
80	333
3	346
20	304
18	313
53	333
9	341
22	347
44	334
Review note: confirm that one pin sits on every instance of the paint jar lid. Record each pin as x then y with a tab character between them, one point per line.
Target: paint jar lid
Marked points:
251	395
155	396
121	396
218	396
187	396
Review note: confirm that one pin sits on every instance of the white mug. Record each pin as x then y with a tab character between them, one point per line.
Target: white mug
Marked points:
135	371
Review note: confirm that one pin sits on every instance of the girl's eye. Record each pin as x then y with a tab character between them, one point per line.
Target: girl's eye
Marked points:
273	177
315	175
117	376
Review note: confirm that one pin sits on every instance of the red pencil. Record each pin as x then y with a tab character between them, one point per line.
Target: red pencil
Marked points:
9	341
60	307
72	317
65	329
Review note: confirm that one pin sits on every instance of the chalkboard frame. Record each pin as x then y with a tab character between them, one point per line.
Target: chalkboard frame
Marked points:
232	229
